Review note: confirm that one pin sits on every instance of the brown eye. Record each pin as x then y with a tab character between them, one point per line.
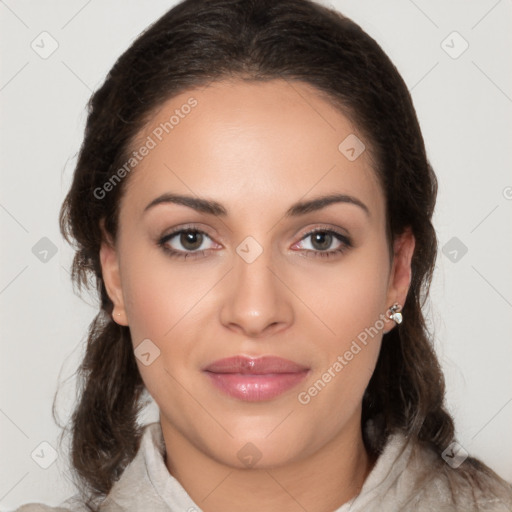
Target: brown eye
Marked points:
321	240
186	242
191	240
324	243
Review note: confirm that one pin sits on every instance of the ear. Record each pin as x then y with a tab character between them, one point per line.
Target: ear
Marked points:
111	277
401	273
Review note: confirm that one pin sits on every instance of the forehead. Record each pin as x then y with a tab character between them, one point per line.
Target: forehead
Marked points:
244	143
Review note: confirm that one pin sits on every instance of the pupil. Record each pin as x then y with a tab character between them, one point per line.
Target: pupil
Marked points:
322	241
191	240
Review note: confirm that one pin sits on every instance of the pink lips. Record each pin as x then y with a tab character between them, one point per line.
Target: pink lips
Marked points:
255	379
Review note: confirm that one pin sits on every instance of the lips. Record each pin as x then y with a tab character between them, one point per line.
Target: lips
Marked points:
255	379
252	366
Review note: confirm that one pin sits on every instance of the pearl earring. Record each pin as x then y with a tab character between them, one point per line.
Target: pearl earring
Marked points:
394	313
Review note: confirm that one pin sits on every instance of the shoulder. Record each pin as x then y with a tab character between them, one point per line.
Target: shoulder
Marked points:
39	507
470	486
412	476
73	504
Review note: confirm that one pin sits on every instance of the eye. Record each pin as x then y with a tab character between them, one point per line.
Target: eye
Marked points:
322	240
186	242
191	242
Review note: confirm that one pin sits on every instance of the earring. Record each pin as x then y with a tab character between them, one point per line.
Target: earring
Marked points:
394	313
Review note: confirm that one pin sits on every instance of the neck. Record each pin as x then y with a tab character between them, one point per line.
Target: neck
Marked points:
322	481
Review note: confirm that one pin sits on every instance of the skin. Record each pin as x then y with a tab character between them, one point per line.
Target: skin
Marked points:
257	148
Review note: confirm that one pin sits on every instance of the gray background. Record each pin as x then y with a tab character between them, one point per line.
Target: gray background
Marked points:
464	103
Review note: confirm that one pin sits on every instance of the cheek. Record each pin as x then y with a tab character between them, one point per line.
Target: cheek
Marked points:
352	306
159	300
349	297
146	300
159	294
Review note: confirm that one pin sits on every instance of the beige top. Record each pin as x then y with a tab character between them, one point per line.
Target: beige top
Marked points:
406	477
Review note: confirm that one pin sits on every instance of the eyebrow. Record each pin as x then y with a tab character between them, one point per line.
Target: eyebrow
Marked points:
214	208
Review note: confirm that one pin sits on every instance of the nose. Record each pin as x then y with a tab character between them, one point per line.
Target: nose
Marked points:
257	303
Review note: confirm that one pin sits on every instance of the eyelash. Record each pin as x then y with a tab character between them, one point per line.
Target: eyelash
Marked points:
346	243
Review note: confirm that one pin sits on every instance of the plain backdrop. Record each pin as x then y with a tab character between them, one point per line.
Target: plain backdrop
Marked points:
463	97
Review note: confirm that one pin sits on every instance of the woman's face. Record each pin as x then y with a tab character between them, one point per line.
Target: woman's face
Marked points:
249	280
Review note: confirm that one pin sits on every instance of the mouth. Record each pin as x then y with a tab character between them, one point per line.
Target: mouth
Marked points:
255	379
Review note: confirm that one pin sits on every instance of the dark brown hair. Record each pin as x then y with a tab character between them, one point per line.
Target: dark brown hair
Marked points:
197	42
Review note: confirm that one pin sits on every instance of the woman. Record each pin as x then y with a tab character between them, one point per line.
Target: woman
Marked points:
253	202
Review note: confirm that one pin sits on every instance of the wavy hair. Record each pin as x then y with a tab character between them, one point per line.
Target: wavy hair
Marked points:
193	44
